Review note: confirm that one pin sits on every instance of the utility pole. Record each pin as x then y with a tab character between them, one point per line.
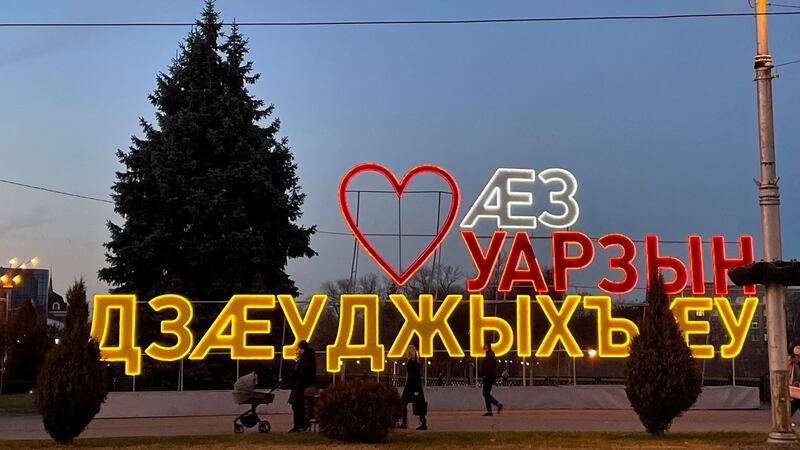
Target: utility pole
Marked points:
770	202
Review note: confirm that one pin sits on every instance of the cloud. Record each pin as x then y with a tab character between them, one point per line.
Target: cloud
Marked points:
36	46
33	219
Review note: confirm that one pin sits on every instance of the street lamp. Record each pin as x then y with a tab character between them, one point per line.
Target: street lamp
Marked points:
11	279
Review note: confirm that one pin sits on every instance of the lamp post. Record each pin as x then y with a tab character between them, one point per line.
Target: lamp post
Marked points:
8	281
770	203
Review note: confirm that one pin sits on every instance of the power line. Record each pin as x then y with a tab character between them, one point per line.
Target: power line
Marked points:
54	191
508	237
783	5
398	22
333	233
787	63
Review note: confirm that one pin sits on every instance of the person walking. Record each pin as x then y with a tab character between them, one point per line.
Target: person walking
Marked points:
489	369
412	392
303	376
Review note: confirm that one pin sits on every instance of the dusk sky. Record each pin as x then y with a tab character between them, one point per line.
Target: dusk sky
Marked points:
656	119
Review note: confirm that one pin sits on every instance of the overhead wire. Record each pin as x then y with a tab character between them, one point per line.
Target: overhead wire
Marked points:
783	5
54	191
787	63
328	232
507	20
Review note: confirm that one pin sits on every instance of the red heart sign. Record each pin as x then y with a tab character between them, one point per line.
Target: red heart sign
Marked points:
399	187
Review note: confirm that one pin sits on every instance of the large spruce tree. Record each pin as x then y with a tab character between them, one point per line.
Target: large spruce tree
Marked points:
662	379
210	196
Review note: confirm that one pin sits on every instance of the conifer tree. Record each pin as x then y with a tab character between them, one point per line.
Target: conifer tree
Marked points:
209	195
662	379
72	383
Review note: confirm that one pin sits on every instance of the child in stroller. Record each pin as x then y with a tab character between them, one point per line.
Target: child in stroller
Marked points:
244	393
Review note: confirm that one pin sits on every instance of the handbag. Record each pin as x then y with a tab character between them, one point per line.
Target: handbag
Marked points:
794	392
419	407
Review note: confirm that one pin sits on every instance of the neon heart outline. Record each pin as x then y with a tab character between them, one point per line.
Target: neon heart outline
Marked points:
399	187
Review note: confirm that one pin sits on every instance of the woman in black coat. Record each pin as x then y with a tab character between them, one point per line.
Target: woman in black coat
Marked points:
489	367
412	392
303	376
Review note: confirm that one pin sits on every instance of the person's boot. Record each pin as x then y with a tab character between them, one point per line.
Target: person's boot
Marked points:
423	423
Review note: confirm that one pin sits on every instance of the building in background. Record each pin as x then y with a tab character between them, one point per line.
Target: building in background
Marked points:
56	309
34	287
753	360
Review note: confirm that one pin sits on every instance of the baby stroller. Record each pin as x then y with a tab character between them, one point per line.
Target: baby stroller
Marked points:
244	393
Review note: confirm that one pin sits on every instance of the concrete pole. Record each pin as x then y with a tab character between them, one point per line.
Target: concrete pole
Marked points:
769	201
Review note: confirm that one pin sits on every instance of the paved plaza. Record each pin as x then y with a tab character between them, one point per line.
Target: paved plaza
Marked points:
30	426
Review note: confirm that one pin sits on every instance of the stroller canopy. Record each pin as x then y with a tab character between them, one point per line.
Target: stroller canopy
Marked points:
244	387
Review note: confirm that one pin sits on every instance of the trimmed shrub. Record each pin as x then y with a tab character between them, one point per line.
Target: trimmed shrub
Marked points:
358	410
662	379
72	383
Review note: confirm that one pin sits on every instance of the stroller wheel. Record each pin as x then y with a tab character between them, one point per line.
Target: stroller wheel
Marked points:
237	428
264	426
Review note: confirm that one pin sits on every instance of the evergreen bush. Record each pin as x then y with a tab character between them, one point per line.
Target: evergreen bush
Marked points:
358	410
72	383
662	379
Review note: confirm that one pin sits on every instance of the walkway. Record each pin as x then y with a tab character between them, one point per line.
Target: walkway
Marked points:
30	426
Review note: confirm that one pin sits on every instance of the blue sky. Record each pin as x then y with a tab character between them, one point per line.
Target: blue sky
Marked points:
656	119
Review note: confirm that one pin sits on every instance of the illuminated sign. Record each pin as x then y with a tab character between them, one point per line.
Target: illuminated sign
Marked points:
520	268
399	187
498	198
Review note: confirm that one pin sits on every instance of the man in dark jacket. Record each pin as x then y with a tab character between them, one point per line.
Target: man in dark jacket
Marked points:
489	369
303	376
